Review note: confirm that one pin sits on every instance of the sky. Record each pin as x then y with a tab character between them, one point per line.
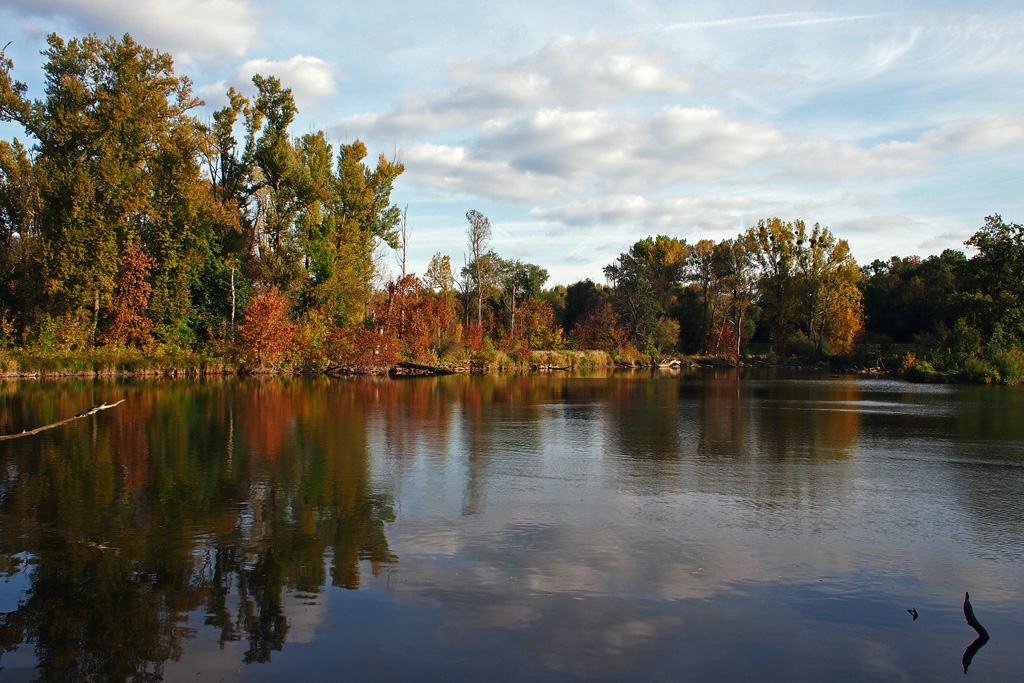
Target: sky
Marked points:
579	128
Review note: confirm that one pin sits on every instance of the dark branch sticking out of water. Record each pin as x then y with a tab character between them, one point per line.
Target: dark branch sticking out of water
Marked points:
31	432
982	638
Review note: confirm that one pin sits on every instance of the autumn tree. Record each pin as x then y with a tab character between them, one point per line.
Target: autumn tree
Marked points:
827	288
265	333
128	319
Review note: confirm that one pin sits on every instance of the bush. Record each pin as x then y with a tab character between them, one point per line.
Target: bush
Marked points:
1010	365
799	346
979	371
918	370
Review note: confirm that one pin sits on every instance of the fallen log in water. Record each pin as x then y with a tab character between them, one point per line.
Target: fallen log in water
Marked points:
31	432
420	369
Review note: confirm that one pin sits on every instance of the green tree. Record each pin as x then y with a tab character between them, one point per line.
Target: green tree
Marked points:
519	283
647	281
19	236
994	281
700	273
734	282
772	246
115	159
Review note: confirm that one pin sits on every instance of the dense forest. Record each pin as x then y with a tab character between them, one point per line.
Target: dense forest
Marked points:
131	228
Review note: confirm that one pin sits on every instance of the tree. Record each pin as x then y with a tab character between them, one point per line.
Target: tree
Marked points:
995	281
647	281
115	160
907	300
438	277
479	235
19	235
129	322
828	276
700	272
772	245
363	216
265	334
519	282
735	283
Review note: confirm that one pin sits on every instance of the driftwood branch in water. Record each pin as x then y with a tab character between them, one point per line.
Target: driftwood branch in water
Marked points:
93	411
982	638
971	619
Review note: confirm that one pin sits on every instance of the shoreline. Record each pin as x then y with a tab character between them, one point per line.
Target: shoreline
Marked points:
408	369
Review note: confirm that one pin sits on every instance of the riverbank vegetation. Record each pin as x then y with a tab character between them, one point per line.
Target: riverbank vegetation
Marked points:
135	237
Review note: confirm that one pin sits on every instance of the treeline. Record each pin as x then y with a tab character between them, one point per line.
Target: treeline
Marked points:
128	225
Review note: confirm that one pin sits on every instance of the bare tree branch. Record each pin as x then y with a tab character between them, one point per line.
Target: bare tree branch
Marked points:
93	411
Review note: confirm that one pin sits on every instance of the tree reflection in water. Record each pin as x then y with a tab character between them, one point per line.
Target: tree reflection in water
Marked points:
217	497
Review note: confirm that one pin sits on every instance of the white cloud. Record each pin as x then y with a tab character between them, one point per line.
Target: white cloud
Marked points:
183	27
686	215
568	73
310	78
886	54
773	21
452	170
975	136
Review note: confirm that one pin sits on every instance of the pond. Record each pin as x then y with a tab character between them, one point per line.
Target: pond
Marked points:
616	526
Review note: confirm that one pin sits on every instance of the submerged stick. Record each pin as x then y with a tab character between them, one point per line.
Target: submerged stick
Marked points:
982	638
31	432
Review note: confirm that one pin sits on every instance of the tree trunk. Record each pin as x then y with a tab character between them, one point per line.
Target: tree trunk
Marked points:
95	316
232	304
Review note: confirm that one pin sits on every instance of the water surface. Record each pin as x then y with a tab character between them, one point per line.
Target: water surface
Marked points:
625	527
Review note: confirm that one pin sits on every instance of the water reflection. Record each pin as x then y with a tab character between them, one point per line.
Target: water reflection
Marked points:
551	526
218	496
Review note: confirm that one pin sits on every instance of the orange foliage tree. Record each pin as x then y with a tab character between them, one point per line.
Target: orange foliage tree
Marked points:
363	347
128	320
266	333
600	330
415	317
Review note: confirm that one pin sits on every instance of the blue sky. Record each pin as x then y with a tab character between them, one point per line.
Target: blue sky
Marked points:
581	127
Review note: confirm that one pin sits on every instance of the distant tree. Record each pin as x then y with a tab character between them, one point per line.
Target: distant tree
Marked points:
581	299
479	236
827	286
735	284
772	247
519	283
438	276
647	281
994	287
700	273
